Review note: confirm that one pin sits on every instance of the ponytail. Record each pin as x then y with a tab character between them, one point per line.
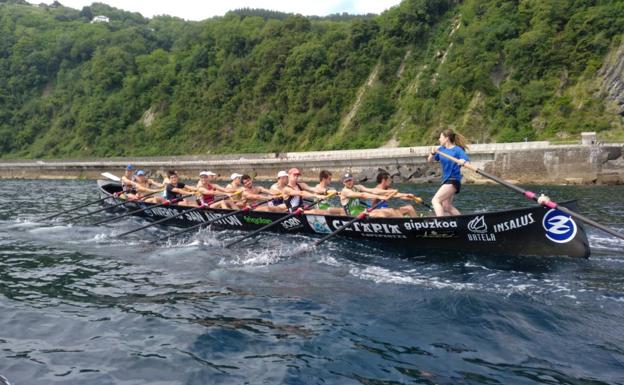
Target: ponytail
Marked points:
456	138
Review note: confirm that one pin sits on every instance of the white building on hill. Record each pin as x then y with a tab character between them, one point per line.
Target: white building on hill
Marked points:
100	19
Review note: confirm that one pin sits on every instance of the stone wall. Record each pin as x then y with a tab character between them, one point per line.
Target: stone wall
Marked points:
526	162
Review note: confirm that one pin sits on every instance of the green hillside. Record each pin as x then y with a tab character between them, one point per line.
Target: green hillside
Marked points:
256	81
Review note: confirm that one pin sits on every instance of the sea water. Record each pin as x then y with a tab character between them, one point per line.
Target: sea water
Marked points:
80	306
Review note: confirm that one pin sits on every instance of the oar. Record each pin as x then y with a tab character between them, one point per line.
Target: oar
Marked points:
111	176
419	200
352	221
298	211
534	196
244	210
132	212
200	207
103	209
76	208
165	203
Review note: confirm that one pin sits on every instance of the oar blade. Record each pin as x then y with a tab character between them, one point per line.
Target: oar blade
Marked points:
110	176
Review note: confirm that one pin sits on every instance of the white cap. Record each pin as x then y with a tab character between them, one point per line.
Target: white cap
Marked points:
207	173
235	175
281	174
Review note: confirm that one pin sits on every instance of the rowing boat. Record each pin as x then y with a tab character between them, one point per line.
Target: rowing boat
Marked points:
531	231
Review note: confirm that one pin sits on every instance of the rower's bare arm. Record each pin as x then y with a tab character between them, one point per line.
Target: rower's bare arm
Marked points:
205	191
307	187
276	192
432	153
186	190
265	190
143	189
180	190
128	181
379	191
252	196
154	183
365	195
364	188
347	193
291	192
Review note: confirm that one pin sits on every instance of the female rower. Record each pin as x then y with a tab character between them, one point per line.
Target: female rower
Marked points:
234	186
208	190
277	203
454	144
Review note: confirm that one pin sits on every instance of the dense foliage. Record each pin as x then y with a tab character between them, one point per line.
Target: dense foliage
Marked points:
256	80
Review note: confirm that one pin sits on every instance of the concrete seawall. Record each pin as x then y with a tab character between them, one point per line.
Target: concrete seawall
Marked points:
525	162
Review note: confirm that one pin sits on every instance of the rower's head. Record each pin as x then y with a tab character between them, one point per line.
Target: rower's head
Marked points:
293	175
246	181
347	179
207	176
129	170
173	176
383	179
448	137
325	176
236	178
140	175
282	177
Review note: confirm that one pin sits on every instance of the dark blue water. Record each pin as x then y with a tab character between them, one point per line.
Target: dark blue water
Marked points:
78	306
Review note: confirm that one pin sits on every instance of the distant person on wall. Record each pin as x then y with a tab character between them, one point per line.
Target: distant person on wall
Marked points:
453	144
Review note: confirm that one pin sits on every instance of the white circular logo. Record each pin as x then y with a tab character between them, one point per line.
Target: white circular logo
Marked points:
560	227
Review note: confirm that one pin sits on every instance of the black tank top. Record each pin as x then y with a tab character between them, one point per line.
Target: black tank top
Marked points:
293	202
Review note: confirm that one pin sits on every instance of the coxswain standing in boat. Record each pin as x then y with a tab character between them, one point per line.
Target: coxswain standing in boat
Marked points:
351	194
144	186
127	183
176	189
453	144
295	191
253	194
383	209
208	190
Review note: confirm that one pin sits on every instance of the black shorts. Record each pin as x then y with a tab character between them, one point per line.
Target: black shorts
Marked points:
455	183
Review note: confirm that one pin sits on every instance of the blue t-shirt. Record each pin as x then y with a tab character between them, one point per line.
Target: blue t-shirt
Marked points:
450	169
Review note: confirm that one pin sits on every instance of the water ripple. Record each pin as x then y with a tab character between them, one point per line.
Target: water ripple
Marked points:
78	305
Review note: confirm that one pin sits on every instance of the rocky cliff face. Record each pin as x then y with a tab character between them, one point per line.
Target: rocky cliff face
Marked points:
612	73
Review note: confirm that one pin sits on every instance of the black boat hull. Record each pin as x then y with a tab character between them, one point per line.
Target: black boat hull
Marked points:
532	231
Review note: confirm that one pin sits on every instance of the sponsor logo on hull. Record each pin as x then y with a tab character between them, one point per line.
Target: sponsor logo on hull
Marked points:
162	212
560	227
480	230
430	224
256	220
478	225
515	223
232	220
380	230
292	223
482	237
318	224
